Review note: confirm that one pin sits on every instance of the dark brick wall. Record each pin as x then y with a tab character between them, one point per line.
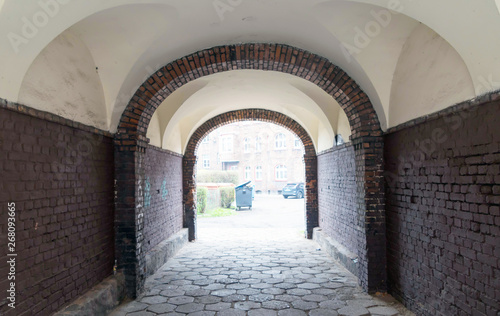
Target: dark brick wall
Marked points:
162	196
443	217
338	197
61	180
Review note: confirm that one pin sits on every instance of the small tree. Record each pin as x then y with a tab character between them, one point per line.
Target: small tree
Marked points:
226	196
201	199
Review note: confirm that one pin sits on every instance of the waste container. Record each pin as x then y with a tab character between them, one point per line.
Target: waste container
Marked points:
243	194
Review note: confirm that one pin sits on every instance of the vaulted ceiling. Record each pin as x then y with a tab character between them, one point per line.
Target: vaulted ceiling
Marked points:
84	59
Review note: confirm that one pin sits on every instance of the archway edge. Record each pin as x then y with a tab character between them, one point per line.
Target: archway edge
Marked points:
270	57
260	115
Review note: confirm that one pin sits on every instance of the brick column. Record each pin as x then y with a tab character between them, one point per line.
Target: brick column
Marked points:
311	196
129	216
372	238
189	199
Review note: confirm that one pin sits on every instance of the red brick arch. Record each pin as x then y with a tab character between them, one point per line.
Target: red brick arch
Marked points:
310	161
130	144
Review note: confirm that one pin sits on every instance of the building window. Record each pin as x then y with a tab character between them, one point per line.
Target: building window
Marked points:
296	142
280	173
246	145
258	173
226	144
205	140
233	168
258	143
206	161
280	141
248	173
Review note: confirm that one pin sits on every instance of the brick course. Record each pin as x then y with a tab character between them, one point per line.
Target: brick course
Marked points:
61	180
443	218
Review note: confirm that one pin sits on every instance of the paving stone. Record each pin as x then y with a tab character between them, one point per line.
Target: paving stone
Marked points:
231	312
308	286
223	292
273	290
353	311
304	305
383	310
161	308
262	312
261	297
246	306
362	303
332	304
299	292
202	313
190	308
273	304
179	300
207	299
197	292
323	312
172	292
141	313
157	299
234	298
218	306
314	298
248	291
291	312
134	307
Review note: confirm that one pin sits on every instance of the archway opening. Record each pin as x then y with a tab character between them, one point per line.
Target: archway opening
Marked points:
250	179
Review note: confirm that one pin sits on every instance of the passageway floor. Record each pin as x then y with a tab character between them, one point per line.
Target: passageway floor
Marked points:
238	268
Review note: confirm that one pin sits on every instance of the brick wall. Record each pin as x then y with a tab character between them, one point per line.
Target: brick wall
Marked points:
443	217
162	196
338	197
61	181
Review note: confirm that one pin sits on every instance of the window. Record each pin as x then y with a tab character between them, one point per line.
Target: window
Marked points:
233	168
246	145
226	144
206	161
205	140
258	143
280	172
296	142
248	173
258	173
280	141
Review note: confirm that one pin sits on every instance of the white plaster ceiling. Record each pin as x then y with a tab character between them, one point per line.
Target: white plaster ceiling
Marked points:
124	41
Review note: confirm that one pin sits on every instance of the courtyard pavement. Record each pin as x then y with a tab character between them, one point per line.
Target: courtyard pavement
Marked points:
256	263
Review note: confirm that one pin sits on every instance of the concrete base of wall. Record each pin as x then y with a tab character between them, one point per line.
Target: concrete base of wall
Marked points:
159	255
100	300
348	259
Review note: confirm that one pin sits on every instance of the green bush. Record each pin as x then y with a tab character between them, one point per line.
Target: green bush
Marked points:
226	196
217	176
201	199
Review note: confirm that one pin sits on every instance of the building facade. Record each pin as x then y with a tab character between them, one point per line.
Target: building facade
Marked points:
267	154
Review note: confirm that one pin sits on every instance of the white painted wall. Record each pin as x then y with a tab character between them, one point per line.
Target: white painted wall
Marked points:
154	133
430	76
63	80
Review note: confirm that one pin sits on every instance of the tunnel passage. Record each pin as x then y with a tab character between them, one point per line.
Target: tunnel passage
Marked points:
131	145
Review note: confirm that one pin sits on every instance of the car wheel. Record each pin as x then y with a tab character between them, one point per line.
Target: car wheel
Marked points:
285	196
300	195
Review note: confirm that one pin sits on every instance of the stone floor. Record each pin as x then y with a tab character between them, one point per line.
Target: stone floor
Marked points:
254	264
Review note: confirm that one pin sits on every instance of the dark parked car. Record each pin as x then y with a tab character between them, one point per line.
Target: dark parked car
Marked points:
293	189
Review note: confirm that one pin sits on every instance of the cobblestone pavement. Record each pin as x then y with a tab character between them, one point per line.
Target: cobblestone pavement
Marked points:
247	268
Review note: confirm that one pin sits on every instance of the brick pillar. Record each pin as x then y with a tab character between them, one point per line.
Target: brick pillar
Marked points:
371	220
311	196
129	216
189	192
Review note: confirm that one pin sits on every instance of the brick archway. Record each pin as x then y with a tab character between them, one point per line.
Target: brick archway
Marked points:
366	137
310	162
